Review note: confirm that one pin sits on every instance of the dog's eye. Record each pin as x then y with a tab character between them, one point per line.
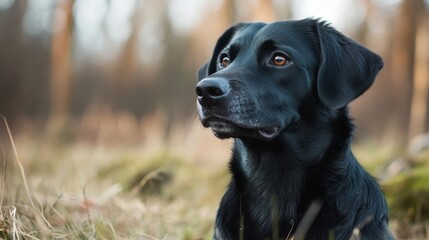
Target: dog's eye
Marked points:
279	59
224	61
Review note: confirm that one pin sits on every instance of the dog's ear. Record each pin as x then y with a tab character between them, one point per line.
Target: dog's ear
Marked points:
210	67
346	69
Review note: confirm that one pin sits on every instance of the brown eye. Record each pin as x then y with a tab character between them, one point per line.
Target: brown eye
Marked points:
279	59
225	61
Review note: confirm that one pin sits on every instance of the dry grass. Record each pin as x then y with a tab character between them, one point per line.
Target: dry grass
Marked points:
89	186
111	176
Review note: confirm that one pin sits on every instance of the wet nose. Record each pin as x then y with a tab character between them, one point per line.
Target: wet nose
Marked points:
210	89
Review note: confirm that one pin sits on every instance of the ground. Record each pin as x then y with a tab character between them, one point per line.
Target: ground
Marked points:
141	185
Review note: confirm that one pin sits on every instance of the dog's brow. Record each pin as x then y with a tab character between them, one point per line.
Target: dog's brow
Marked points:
233	50
268	45
265	46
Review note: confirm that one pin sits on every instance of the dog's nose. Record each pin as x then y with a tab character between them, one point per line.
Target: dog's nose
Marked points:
211	88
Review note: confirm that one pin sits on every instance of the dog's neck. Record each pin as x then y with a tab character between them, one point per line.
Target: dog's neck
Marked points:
302	145
300	156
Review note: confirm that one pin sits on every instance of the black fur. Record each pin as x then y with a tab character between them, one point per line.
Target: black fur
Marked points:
291	131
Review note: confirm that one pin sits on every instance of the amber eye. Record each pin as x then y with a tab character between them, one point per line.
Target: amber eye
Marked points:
279	59
225	61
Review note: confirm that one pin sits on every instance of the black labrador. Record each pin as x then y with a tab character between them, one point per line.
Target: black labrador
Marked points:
281	91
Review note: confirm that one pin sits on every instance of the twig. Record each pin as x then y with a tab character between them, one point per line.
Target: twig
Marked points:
292	225
21	168
152	175
4	183
15	234
357	230
85	199
149	236
308	219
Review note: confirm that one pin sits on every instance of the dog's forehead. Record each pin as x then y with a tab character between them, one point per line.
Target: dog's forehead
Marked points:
296	33
247	33
289	25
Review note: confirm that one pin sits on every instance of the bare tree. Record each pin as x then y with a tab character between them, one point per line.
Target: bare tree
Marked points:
402	61
419	104
128	61
61	68
11	59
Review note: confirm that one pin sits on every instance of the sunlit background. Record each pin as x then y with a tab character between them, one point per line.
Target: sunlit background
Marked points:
99	96
140	57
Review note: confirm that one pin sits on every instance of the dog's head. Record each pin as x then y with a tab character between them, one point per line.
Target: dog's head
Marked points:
260	74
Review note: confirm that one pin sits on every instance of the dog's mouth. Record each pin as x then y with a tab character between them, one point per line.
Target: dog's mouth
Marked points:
226	129
269	132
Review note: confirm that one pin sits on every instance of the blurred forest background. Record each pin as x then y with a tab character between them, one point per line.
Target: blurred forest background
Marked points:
63	59
82	80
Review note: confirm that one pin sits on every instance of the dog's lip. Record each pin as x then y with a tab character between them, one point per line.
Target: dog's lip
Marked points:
269	132
224	128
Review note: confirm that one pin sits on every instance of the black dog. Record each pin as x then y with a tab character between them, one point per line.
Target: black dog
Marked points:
281	91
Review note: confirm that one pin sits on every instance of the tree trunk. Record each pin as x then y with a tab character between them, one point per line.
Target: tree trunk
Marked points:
61	69
419	104
128	64
403	55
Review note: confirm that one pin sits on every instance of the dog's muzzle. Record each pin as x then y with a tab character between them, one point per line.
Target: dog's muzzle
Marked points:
210	90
